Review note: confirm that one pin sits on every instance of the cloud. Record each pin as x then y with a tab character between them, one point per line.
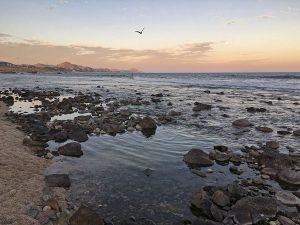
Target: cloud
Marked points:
232	22
2	35
265	17
291	10
33	51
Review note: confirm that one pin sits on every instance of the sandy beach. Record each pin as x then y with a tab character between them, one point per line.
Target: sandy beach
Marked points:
22	182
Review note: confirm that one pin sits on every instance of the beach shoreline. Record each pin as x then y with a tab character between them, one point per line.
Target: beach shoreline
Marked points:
22	184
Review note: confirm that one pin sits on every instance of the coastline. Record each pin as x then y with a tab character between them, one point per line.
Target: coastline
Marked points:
22	184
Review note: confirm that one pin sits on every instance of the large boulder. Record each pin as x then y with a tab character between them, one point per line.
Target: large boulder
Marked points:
220	199
242	123
251	210
71	149
85	216
201	201
58	180
60	137
197	158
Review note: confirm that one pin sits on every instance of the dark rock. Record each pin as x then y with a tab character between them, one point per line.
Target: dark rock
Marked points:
220	199
272	144
201	201
287	198
197	158
60	137
286	221
256	110
201	221
242	123
283	132
289	176
85	216
79	135
221	148
147	123
235	170
216	213
58	180
296	133
200	107
71	149
251	210
222	157
264	129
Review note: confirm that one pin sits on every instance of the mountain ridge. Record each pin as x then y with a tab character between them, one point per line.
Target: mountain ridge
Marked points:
7	67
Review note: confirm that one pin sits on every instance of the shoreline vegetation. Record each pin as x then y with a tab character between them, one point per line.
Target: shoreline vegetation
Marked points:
28	196
65	67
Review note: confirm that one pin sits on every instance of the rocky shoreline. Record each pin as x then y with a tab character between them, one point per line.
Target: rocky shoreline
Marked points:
246	201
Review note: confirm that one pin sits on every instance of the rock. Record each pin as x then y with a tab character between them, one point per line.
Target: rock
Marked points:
255	110
72	149
289	176
60	137
200	107
242	123
221	148
53	204
220	199
85	216
130	129
198	172
251	210
283	132
269	172
148	123
235	170
285	221
216	213
201	201
296	133
79	135
236	191
264	129
287	198
222	157
58	180
272	144
148	171
198	158
46	208
201	221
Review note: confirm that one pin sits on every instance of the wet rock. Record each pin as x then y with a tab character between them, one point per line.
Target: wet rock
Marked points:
85	216
255	110
220	199
235	170
272	144
287	198
147	123
201	201
236	192
197	158
270	172
198	172
251	210
71	149
285	221
60	137
58	180
222	157
221	148
201	221
242	123
283	132
216	213
201	107
264	129
289	176
79	135
296	133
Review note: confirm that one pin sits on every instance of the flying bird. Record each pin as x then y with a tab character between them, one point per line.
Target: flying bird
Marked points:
140	32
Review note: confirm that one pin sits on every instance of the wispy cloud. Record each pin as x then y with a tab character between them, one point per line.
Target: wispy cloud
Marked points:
265	17
232	22
2	35
291	10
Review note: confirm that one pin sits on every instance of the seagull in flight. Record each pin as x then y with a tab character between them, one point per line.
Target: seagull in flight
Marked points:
140	32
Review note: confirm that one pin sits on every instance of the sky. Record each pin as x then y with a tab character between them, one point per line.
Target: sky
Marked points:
179	35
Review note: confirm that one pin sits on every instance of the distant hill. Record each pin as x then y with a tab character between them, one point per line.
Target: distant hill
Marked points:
6	67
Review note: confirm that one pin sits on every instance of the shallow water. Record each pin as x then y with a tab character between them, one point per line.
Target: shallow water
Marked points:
110	176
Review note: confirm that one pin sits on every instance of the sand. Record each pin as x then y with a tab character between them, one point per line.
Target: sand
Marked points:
21	175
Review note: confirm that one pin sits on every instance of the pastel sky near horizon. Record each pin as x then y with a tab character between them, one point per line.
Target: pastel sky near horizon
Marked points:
179	36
